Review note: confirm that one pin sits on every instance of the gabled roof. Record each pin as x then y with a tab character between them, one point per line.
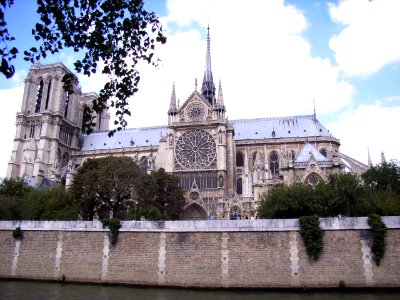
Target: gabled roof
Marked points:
279	127
191	97
309	152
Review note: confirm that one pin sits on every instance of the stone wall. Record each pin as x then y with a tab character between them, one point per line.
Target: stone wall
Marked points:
247	253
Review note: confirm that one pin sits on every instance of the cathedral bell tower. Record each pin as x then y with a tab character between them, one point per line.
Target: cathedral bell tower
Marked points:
48	125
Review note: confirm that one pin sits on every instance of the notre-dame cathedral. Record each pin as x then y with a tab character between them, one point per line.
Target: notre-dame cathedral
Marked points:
224	166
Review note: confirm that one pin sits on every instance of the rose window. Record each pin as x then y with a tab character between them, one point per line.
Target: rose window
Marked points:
195	149
196	112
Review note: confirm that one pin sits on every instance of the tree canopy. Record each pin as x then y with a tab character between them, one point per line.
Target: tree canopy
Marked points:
342	194
18	201
112	35
117	187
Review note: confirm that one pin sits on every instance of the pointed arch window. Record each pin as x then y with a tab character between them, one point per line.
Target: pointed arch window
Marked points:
143	164
274	163
67	98
293	155
323	152
239	160
239	186
39	97
48	95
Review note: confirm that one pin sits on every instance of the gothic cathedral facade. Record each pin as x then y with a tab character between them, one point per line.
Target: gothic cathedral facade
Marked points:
224	166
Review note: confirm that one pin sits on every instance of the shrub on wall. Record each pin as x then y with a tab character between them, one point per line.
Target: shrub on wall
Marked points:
379	233
17	233
114	225
312	235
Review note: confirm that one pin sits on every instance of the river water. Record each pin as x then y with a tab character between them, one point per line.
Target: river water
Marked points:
57	291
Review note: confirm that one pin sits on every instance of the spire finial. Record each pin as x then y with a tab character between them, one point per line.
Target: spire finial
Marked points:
383	159
172	105
315	114
369	159
220	101
208	87
195	84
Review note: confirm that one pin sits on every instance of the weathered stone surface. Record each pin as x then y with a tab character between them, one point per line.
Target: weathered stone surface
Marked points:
232	254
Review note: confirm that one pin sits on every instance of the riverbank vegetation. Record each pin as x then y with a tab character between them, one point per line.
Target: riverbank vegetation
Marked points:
377	191
104	188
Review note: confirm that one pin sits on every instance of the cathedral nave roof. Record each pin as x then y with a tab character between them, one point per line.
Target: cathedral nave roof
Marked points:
246	129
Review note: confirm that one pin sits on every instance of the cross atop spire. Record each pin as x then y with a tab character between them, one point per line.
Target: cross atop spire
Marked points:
208	87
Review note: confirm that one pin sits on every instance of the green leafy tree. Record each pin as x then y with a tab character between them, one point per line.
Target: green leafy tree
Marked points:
117	187
57	204
288	202
169	197
13	187
11	192
106	187
115	35
342	194
384	177
347	189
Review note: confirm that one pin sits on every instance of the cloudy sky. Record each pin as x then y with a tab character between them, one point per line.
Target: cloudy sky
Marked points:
274	58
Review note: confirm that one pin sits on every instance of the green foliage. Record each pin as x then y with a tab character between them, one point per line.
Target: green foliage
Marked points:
6	54
168	196
384	177
379	230
13	187
288	202
116	186
20	202
106	187
114	225
347	188
312	235
343	194
117	34
17	233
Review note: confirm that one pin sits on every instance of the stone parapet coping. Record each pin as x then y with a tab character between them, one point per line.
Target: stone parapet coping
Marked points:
269	225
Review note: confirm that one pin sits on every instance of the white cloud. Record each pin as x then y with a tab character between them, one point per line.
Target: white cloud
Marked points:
369	125
10	103
258	52
370	38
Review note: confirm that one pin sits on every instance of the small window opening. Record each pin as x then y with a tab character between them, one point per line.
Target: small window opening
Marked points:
39	97
48	96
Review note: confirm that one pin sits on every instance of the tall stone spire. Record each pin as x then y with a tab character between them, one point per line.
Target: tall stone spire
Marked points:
208	87
172	105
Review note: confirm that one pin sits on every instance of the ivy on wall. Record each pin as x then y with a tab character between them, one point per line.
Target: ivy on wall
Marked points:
379	230
114	225
312	235
17	233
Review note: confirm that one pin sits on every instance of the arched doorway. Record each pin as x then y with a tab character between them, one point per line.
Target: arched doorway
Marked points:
234	213
194	212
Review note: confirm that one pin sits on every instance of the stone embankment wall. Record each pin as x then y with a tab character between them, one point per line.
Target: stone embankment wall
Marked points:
247	253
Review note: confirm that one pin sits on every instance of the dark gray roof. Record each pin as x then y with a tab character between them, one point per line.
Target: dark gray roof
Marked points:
250	129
